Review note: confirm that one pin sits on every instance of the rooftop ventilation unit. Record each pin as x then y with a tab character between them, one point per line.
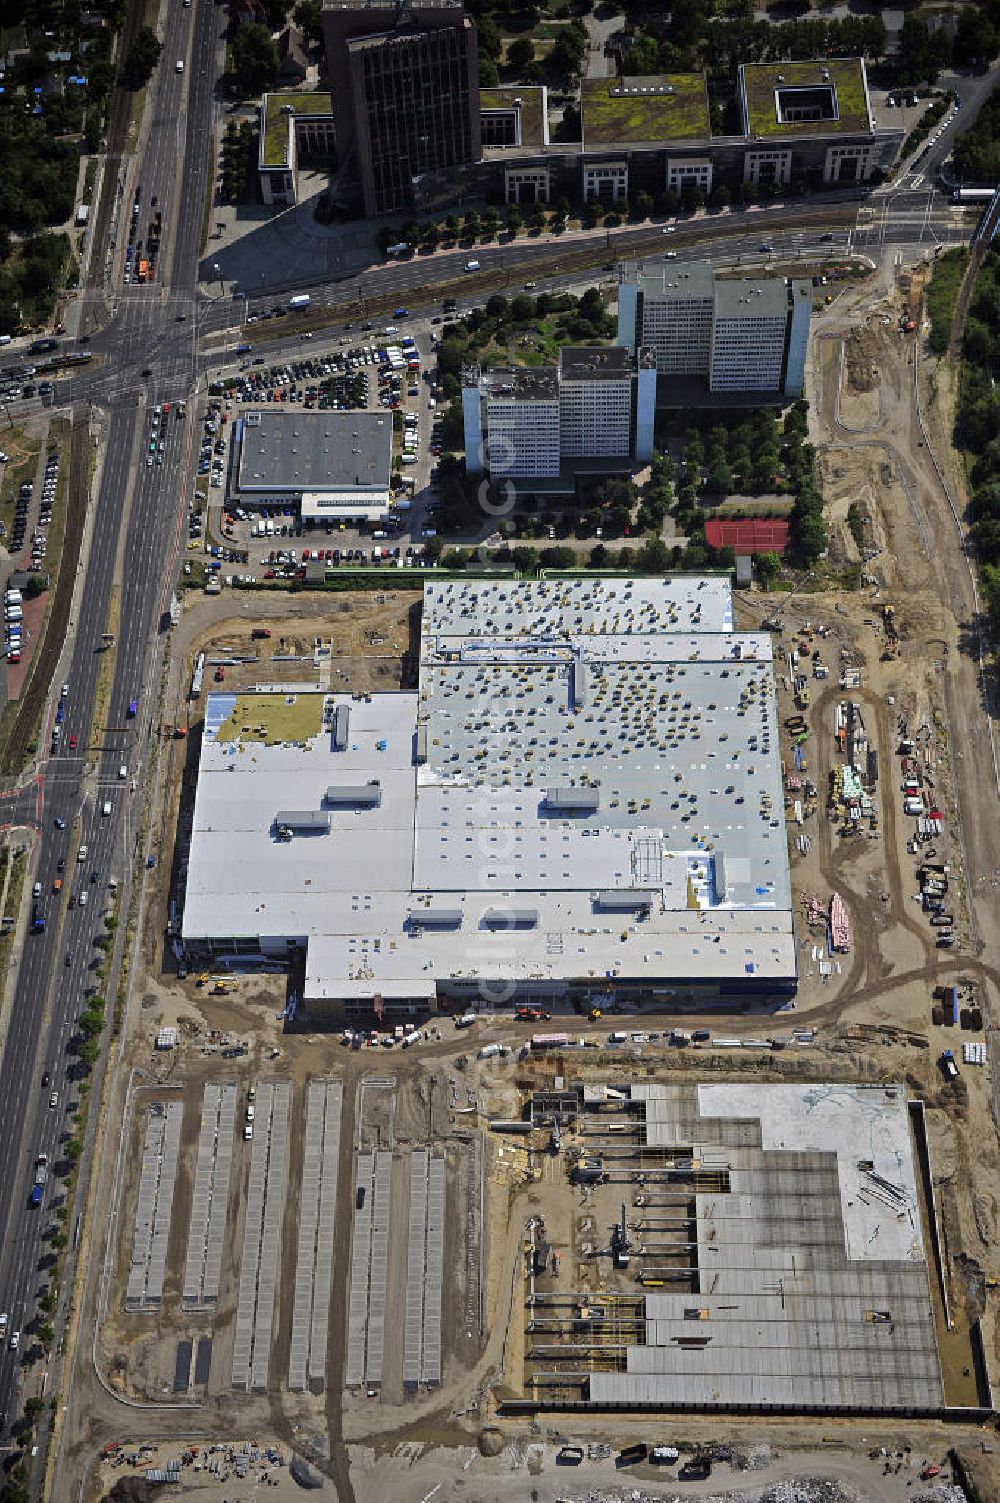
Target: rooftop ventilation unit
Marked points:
625	899
368	795
510	918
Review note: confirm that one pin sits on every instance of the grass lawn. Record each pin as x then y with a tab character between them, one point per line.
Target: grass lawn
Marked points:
678	112
949	269
276	123
24	452
845	74
273	718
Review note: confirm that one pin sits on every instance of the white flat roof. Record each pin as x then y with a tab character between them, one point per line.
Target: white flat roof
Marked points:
637	693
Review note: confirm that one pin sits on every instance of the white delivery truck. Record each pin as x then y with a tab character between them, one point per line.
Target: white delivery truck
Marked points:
300	300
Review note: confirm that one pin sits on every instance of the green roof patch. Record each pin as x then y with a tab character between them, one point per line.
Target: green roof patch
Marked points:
532	97
824	97
277	111
658	107
273	718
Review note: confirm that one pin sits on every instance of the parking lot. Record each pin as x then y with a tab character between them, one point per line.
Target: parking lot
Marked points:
262	531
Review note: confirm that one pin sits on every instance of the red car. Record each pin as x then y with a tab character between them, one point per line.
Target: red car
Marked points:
72	743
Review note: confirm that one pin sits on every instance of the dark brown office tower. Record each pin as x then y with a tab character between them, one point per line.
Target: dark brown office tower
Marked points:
405	85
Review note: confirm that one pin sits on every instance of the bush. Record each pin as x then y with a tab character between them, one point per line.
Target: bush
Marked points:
140	60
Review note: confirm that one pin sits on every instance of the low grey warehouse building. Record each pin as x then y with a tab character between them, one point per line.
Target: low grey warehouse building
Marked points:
337	463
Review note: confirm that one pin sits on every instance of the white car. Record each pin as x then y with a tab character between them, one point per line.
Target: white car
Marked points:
53	1101
122	773
106	807
248	1131
3	1320
472	265
15	1340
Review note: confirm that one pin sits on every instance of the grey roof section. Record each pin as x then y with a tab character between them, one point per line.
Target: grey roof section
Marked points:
302	819
761	296
670	278
522	385
624	899
369	1269
210	1196
317	1212
810	1285
367	794
596	363
154	1203
295	450
436	917
577	800
261	1239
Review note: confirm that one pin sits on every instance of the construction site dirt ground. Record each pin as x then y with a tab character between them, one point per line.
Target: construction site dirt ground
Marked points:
873	1019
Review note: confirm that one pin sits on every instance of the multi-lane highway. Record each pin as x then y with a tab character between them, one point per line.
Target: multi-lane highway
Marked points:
150	346
132	535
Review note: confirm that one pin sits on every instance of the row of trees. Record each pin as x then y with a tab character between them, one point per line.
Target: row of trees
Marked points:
561	67
977	428
695	38
86	1046
977	151
641	204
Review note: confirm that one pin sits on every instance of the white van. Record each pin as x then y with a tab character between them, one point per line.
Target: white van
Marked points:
179	65
269	528
472	265
13	597
14	613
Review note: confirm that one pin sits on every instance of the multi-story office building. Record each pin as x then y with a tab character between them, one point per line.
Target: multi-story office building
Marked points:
669	309
595	403
512	422
598	404
740	335
405	86
759	336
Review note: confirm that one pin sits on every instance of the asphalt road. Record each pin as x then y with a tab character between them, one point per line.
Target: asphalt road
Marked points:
57	968
132	559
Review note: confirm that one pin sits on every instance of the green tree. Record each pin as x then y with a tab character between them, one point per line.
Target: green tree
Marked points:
141	58
520	54
490	40
472	225
515	220
489	76
308	17
255	59
556	558
976	37
767	567
275	12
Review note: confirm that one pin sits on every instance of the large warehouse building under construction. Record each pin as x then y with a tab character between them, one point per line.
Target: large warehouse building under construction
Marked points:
582	798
